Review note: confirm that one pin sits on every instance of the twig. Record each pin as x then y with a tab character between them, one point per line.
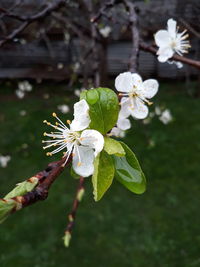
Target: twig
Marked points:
189	28
102	10
46	179
29	19
185	60
78	197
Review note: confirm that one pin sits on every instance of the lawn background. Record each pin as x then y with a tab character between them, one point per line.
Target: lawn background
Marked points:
158	228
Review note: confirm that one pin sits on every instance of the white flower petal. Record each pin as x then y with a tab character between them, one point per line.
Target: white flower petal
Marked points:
81	116
150	88
123	124
164	54
162	38
136	80
171	26
92	139
125	107
124	82
82	162
139	109
117	132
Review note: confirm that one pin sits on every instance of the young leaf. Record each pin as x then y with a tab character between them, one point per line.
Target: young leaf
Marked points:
104	108
103	174
113	147
128	171
23	188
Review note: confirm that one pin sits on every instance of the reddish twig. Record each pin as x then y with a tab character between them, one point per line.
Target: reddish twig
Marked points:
72	215
185	60
46	179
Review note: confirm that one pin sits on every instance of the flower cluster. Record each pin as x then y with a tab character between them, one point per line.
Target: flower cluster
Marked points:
135	95
23	87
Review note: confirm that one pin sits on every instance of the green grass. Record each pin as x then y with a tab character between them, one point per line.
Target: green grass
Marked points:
158	228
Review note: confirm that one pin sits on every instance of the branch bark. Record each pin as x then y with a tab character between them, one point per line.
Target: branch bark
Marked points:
72	214
29	19
46	179
185	60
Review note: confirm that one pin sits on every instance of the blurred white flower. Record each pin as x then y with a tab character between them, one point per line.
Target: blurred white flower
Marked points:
158	111
77	92
170	41
105	32
166	116
46	96
178	64
25	86
76	66
20	94
22	112
135	94
4	161
60	66
63	108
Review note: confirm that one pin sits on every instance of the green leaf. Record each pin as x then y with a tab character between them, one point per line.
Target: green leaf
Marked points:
128	171
23	188
104	108
6	207
103	174
113	147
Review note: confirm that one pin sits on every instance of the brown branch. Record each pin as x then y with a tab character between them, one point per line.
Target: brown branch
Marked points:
72	215
102	11
46	179
133	21
185	60
29	19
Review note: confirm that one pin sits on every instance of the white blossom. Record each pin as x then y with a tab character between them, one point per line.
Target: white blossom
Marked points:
170	41
22	112
63	108
25	86
166	116
84	145
117	132
105	32
4	161
20	94
135	94
122	125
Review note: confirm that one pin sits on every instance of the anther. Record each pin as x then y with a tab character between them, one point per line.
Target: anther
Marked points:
79	164
68	122
44	133
54	114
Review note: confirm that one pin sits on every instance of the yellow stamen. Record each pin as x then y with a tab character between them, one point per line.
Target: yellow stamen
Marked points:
79	164
54	114
68	122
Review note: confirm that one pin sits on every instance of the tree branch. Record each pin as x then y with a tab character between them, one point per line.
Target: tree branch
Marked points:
135	36
185	60
78	197
29	19
46	178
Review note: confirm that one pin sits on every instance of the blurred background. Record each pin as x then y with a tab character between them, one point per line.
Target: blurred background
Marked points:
49	52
